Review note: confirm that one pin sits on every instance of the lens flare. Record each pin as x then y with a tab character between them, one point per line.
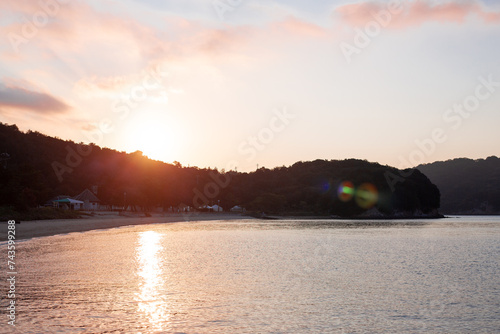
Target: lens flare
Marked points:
345	191
325	187
366	195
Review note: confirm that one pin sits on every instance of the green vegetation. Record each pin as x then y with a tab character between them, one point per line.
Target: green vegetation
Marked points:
40	167
467	186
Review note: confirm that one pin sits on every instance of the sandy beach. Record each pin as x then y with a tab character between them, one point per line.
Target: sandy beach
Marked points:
42	228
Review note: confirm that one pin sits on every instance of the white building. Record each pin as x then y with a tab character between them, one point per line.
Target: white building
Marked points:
237	208
89	200
217	208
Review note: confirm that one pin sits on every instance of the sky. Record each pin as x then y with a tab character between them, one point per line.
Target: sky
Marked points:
236	84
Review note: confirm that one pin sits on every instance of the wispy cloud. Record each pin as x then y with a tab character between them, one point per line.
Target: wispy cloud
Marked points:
415	13
298	27
12	97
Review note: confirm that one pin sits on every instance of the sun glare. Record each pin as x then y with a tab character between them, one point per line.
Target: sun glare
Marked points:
154	136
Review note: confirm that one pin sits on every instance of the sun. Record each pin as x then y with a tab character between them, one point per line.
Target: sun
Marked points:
154	135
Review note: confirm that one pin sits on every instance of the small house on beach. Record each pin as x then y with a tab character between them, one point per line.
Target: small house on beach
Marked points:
217	208
89	200
237	208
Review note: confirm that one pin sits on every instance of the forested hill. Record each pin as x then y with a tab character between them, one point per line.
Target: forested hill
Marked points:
35	168
467	186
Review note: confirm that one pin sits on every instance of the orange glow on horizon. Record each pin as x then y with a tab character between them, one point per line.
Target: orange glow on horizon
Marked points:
154	135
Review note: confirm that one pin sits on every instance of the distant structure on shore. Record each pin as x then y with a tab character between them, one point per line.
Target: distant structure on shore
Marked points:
86	200
90	201
237	208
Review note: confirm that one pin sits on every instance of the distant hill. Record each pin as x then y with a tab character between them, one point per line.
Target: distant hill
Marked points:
35	168
467	186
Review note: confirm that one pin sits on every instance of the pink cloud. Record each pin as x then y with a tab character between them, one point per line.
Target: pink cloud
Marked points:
77	28
214	41
101	53
301	28
415	13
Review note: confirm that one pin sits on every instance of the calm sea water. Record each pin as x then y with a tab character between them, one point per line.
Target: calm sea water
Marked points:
439	276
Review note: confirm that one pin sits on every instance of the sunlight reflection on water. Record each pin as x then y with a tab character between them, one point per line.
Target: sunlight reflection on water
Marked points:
150	299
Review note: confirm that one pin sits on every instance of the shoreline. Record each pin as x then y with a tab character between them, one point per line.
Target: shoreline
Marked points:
356	218
44	228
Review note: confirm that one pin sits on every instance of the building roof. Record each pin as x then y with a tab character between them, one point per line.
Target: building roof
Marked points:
216	207
52	200
69	200
87	195
237	208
